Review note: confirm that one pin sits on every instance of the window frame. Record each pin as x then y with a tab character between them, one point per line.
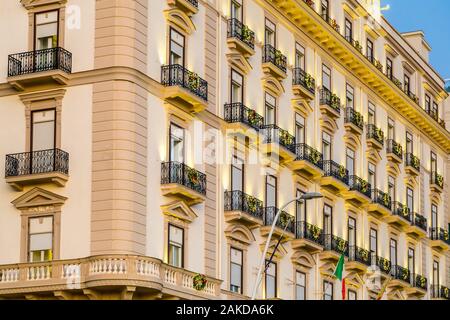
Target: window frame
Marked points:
241	288
28	249
58	40
169	226
55	124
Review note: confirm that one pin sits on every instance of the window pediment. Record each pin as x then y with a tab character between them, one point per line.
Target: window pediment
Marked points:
240	234
179	210
31	4
38	197
303	259
180	19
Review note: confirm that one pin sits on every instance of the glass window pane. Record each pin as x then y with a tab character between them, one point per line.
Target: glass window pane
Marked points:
43	130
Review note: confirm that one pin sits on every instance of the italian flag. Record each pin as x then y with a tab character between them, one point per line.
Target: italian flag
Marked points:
338	272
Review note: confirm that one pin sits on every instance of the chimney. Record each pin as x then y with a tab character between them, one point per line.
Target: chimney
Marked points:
417	40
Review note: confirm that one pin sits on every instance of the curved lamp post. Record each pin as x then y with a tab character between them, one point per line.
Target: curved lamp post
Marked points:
302	198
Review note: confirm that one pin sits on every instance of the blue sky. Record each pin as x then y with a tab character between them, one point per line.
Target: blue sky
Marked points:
429	16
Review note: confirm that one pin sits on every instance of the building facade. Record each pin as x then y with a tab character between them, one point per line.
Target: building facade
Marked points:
147	145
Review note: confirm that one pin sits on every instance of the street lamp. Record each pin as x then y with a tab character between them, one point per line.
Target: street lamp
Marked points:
302	198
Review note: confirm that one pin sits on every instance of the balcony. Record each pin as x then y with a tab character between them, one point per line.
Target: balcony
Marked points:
44	166
303	85
400	217
285	221
190	7
358	259
418	227
185	183
395	81
335	176
439	239
360	191
412	165
242	120
308	237
394	151
240	38
278	142
375	62
274	62
39	67
308	161
435	116
381	204
184	88
418	286
355	43
243	208
384	265
374	137
354	121
439	292
436	182
86	277
333	247
330	104
412	96
401	277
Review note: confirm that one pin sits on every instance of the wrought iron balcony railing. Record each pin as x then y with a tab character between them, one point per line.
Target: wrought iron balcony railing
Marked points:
336	244
419	281
285	219
309	3
177	75
360	185
37	162
240	201
401	210
434	114
194	3
401	273
381	198
437	179
330	99
332	169
383	264
179	173
412	161
359	255
355	43
375	62
236	29
354	117
237	112
274	134
373	132
394	148
411	95
420	221
440	292
305	152
309	231
274	56
395	81
439	234
38	61
300	77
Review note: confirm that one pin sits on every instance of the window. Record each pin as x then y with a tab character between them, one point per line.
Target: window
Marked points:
389	68
436	273
326	77
299	128
407	86
176	48
43	129
324	10
271	281
270	109
271	191
299	56
348	30
326	146
350	97
369	50
236	9
372	175
46	30
391	188
40	239
176	246
411	261
393	252
409	143
300	209
300	286
391	129
433	164
427	103
350	161
327	220
237	87
237	174
371	113
410	199
351	232
270	33
434	217
176	152
327	290
352	295
435	110
236	262
373	243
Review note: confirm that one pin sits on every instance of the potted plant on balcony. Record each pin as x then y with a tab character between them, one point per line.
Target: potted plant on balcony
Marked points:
334	24
309	2
193	81
385	265
405	211
193	177
309	81
315	232
246	34
445	292
199	282
252	119
415	162
358	119
445	235
386	199
252	204
315	157
397	83
379	134
341	245
440	180
358	46
335	101
342	172
378	65
364	186
421	281
278	58
397	149
364	254
286	138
